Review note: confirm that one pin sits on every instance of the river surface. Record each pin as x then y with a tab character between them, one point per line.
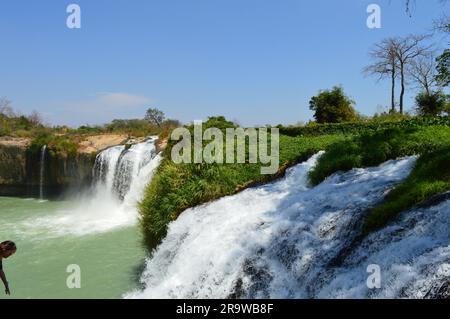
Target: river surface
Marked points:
109	260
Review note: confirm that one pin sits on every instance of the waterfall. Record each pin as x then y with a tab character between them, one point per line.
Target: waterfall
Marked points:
120	177
285	240
42	172
105	167
123	171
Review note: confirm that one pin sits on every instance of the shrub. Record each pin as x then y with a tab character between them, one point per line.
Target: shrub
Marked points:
431	104
333	106
57	145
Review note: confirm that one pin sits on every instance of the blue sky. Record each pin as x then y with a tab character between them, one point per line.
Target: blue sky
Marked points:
254	61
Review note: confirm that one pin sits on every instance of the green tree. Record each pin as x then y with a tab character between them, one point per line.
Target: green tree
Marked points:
155	116
443	68
332	106
447	107
431	103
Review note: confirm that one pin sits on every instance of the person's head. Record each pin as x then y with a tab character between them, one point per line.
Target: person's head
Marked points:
7	248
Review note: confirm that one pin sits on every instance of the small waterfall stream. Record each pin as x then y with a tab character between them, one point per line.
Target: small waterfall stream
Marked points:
42	172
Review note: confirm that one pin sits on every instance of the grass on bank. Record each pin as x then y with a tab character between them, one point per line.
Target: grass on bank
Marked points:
430	176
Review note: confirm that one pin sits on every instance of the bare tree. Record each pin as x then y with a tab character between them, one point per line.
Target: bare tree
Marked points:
35	118
5	107
422	71
384	65
407	49
442	24
410	5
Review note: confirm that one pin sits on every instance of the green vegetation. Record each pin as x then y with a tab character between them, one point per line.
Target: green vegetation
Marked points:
429	177
63	141
332	106
176	187
18	126
14	124
378	122
155	116
374	148
433	103
443	68
57	145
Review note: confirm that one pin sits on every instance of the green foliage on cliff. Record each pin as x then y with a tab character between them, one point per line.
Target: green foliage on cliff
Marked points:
57	145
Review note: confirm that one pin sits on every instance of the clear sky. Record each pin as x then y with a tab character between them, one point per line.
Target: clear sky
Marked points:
255	61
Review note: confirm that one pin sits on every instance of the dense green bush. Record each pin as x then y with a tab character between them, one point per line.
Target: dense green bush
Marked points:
332	106
57	145
431	103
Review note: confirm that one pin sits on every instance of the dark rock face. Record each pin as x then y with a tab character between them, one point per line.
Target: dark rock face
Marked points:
12	165
20	172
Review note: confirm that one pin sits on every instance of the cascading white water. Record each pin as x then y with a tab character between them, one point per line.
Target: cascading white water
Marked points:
42	172
413	254
129	166
105	167
284	240
112	201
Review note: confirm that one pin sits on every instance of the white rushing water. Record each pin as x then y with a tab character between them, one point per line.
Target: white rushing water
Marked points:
285	240
120	177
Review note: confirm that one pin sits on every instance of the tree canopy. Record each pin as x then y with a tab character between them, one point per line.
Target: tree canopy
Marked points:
332	106
155	116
